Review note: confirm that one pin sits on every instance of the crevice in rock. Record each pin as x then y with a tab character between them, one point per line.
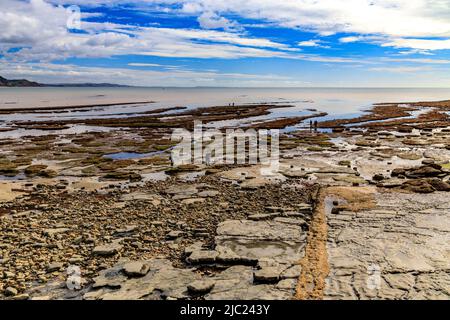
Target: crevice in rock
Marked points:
314	265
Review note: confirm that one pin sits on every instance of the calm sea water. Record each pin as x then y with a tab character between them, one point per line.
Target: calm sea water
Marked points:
338	102
351	98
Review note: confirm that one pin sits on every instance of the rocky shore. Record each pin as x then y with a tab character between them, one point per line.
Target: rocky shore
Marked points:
357	213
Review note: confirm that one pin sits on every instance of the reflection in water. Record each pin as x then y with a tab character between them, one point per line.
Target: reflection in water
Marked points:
337	102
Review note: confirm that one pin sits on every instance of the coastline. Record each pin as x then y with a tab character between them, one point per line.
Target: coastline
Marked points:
58	108
384	176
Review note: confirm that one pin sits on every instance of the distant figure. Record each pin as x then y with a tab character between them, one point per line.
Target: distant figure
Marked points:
310	125
315	126
233	104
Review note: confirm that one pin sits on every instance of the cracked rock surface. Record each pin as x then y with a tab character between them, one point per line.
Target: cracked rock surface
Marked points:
397	250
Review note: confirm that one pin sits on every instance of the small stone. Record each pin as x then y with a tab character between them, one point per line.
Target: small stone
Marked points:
201	286
267	275
174	234
203	256
11	292
157	223
208	194
136	269
126	230
274	209
257	217
55	266
202	235
378	177
21	297
76	259
107	249
192	201
335	210
52	232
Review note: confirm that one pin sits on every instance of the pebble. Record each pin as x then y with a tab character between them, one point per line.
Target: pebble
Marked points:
11	292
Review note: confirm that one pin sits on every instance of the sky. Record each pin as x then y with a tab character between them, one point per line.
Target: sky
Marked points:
231	43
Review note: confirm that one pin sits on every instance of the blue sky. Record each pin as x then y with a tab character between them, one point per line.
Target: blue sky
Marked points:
299	43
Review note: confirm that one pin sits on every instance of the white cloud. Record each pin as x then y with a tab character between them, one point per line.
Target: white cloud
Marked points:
20	20
420	44
349	39
56	73
388	19
313	43
135	64
210	20
401	69
418	60
375	21
38	27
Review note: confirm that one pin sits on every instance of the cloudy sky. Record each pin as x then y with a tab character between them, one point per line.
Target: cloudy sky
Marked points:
351	43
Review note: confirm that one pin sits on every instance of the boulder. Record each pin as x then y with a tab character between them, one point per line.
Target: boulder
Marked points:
424	172
418	186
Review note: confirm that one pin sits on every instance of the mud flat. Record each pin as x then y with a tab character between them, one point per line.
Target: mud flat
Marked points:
359	213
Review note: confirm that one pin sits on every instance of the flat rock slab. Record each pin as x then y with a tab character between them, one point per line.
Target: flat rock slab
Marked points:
398	250
208	193
181	190
263	230
260	240
165	281
161	280
107	249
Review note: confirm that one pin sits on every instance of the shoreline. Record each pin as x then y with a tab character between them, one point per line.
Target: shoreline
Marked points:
210	226
56	108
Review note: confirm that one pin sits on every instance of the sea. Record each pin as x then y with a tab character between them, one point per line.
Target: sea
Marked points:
337	102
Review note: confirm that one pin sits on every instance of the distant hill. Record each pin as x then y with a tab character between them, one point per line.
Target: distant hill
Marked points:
25	83
18	83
